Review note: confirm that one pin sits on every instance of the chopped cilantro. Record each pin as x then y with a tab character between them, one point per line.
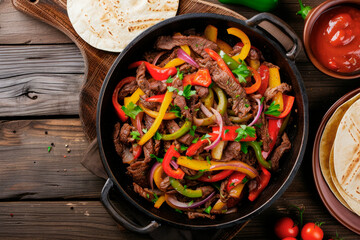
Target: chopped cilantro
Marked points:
179	74
183	147
195	140
243	131
49	149
247	105
244	180
232	184
208	160
135	135
259	125
186	107
262	100
157	158
208	209
132	110
185	187
169	80
244	147
237	96
187	92
157	136
206	136
273	109
171	89
175	109
211	85
191	203
144	130
147	195
226	131
190	158
242	72
177	210
192	130
155	198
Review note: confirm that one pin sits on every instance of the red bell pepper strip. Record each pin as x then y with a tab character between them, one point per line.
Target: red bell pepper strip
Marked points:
156	98
288	103
230	134
264	179
202	78
253	88
119	112
178	173
220	62
188	79
273	129
135	64
234	179
137	150
264	74
159	73
194	147
216	177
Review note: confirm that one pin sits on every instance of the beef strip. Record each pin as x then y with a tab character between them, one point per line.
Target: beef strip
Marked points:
248	158
187	68
150	105
181	102
202	91
158	87
197	43
172	127
125	131
193	215
231	152
270	65
116	139
279	151
264	133
150	56
224	195
188	171
141	80
144	192
165	183
139	170
206	191
170	57
271	92
127	90
157	147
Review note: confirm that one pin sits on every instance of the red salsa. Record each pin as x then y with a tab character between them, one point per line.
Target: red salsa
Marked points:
335	39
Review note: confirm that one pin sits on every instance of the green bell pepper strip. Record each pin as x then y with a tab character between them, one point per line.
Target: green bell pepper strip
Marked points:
246	118
230	62
209	99
196	176
182	131
257	148
221	108
260	5
185	191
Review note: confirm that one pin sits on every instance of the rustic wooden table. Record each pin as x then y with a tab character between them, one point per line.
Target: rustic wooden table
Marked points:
50	195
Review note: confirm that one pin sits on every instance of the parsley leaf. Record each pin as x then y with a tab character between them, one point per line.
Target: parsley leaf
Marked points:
135	135
155	198
177	210
169	80
232	184
208	209
244	180
247	105
244	147
226	131
183	147
273	109
242	72
132	110
186	107
190	203
179	74
262	100
206	136
157	136
187	92
192	130
175	109
171	89
157	158
195	140
144	130
211	84
243	132
208	160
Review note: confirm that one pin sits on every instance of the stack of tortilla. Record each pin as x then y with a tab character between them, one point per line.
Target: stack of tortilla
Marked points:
339	154
110	25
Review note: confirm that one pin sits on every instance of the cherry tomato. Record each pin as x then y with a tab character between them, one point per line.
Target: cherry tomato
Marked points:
285	227
289	238
311	231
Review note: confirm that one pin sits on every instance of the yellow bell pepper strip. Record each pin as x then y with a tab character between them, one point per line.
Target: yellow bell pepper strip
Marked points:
237	190
245	40
219	207
158	175
211	33
134	97
159	202
224	46
264	181
185	191
214	166
118	108
209	99
159	73
170	153
274	81
254	63
159	118
154	114
179	133
177	61
253	88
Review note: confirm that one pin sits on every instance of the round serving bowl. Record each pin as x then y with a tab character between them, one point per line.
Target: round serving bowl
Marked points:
310	20
106	119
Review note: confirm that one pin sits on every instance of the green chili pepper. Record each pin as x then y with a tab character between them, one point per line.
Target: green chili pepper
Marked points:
196	176
304	10
186	192
209	99
260	5
221	108
182	131
257	148
230	62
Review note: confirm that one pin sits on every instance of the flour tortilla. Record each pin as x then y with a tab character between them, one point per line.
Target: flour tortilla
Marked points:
347	152
111	24
326	144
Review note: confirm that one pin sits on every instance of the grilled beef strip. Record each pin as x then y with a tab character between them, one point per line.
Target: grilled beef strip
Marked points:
271	92
124	135
202	91
141	80
193	215
279	151
231	151
127	90
138	171
119	147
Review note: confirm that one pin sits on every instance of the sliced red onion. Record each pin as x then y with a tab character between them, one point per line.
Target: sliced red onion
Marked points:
151	176
138	120
127	156
238	164
174	164
220	122
184	206
184	56
258	113
205	110
157	57
231	210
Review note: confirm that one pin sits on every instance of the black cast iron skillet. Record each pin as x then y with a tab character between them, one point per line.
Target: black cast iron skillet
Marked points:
106	119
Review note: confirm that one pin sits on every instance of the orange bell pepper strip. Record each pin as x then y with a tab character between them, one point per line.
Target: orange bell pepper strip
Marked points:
224	46
264	74
211	33
119	112
220	62
263	182
245	40
253	88
159	202
202	78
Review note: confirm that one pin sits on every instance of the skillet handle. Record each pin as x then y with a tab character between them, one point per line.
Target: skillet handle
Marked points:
124	221
283	26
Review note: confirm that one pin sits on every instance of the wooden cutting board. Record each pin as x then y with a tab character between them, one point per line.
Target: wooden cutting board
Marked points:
97	62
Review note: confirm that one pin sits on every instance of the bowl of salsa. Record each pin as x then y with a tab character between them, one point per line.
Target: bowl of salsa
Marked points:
332	38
